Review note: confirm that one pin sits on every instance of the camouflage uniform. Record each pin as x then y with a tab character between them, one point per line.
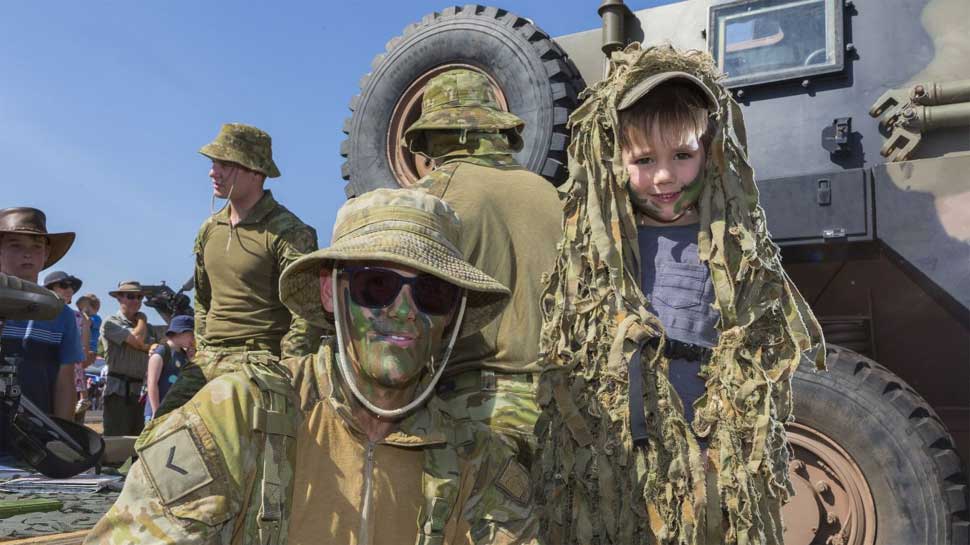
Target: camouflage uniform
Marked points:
275	454
238	315
200	469
510	217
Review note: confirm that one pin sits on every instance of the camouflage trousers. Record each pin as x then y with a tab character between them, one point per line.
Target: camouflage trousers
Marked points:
504	402
208	364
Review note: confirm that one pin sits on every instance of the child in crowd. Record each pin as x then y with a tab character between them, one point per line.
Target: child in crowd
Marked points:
90	324
89	305
679	437
167	360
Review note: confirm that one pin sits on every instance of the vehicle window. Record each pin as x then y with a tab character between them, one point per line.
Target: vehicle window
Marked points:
757	41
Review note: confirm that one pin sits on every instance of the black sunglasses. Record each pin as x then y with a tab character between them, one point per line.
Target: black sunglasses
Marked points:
130	296
375	287
63	284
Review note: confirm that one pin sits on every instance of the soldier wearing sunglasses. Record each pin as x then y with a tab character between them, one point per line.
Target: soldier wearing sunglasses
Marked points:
351	444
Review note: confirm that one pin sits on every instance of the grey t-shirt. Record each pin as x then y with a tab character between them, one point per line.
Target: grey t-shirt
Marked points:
679	289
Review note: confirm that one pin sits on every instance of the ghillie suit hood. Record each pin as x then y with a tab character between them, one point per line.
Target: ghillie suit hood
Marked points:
597	486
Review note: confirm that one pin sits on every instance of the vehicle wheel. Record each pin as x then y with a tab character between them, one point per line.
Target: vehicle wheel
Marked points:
873	463
533	78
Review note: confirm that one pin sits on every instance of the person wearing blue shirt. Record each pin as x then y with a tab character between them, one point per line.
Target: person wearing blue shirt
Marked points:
45	350
89	305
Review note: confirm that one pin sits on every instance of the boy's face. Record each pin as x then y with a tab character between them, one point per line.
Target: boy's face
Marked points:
23	256
184	340
664	177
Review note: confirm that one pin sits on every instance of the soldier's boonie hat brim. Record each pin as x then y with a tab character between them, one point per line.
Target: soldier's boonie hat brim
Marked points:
220	152
466	117
642	88
380	231
245	145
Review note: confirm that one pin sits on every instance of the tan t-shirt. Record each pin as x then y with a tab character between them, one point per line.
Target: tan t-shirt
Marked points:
511	222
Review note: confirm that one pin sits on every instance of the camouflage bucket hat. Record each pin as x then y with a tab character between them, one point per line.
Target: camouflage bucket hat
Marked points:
245	145
403	226
463	99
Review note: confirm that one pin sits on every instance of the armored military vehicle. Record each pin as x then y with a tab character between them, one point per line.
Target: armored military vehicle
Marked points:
858	125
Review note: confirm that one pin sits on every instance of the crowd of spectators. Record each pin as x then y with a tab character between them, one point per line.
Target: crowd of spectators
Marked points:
77	361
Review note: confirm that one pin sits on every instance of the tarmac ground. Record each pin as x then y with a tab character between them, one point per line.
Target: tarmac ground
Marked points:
80	511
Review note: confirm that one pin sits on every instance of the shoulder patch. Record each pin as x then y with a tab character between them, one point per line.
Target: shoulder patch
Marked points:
514	482
175	465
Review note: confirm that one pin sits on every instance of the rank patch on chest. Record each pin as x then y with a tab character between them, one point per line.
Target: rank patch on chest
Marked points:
175	465
514	482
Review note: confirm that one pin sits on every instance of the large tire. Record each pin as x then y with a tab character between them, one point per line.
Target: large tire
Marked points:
909	482
538	83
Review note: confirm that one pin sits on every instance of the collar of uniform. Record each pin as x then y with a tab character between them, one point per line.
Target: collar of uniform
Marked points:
263	207
498	160
420	428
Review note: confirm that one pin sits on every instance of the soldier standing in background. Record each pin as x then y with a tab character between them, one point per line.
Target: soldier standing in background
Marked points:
510	216
240	252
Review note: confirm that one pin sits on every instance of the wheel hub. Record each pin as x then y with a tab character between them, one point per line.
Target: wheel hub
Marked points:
832	504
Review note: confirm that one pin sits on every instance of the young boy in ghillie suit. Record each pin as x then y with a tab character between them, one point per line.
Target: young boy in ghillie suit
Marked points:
676	438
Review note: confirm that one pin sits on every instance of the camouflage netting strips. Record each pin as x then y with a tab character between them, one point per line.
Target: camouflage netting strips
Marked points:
594	485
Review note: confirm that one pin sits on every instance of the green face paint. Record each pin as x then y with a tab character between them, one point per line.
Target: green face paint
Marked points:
689	195
688	198
391	347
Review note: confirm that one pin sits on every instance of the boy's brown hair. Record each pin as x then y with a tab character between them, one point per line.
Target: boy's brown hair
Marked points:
677	110
91	300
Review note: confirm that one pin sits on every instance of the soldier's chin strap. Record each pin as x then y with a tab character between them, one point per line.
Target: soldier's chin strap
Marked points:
349	377
212	201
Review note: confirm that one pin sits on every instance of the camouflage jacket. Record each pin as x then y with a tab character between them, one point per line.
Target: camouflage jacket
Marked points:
207	473
237	271
510	216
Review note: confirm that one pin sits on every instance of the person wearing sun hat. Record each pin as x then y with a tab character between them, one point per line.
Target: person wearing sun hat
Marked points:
63	284
127	339
166	361
45	350
240	252
348	445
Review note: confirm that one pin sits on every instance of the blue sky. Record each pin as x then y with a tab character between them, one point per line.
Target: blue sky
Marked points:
104	104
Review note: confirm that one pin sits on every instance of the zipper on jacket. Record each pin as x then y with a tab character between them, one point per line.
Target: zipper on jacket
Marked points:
364	537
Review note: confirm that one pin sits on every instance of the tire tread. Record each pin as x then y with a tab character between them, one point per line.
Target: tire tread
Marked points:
562	73
846	366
